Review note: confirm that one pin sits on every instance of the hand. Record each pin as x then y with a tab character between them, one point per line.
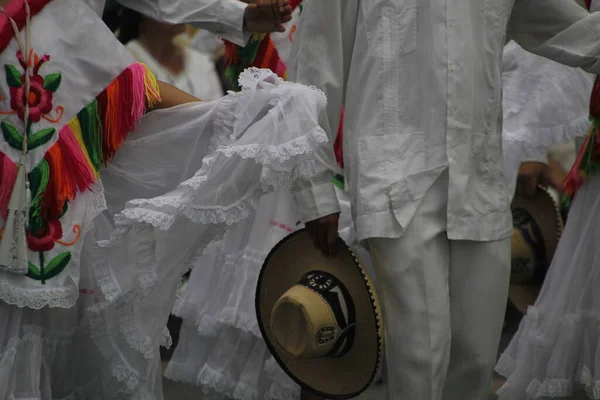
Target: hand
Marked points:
529	177
266	16
324	233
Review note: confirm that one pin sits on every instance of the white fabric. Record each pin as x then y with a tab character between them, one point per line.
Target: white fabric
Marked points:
544	104
206	42
222	17
443	303
179	181
199	76
421	86
220	349
283	40
564	154
76	57
555	354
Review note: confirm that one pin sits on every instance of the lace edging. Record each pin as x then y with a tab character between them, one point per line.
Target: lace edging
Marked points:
250	77
555	387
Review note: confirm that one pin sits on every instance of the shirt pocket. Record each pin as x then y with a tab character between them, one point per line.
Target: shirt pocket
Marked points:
384	160
391	27
487	191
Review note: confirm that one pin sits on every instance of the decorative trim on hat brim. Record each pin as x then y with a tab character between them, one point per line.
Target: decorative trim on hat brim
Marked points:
533	290
374	303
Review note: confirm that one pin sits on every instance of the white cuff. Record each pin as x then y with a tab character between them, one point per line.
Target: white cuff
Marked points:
232	20
317	201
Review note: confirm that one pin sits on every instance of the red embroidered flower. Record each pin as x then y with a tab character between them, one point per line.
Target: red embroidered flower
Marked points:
39	97
44	241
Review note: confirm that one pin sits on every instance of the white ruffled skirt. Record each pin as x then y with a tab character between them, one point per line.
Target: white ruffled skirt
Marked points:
556	351
179	182
220	348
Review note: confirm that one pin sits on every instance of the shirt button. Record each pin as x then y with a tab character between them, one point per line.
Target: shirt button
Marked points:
389	12
452	67
452	111
452	23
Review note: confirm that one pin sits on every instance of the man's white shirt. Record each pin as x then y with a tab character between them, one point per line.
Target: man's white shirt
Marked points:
421	83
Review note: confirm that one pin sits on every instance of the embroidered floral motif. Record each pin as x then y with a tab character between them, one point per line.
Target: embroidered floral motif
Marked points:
44	239
40	91
39	99
50	270
71	165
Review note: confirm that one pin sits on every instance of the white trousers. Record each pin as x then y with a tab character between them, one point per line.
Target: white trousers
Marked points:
443	303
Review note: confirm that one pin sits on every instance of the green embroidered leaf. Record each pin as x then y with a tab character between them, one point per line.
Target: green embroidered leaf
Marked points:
34	272
65	209
38	181
57	265
12	136
40	138
13	76
52	82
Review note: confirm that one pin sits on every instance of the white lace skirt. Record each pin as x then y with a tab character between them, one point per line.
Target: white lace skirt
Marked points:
180	181
556	351
220	347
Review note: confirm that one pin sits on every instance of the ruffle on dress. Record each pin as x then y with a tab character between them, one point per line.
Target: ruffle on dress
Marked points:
220	348
556	352
178	182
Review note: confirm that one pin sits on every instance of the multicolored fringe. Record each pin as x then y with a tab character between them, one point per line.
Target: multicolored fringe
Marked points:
338	147
338	180
588	159
587	163
85	143
260	52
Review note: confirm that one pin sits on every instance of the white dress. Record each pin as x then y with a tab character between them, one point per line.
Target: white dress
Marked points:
554	354
91	329
220	348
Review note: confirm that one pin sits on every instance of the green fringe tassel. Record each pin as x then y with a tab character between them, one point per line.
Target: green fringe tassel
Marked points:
91	131
338	181
246	56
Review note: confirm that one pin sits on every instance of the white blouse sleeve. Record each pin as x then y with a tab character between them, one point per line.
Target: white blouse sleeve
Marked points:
221	17
544	104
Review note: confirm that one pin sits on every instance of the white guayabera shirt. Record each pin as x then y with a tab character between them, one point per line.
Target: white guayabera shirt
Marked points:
421	82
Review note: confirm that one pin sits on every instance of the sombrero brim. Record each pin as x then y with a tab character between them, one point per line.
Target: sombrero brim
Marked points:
546	213
547	216
334	378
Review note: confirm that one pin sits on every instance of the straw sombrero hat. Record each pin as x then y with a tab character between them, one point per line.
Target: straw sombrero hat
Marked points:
320	317
537	226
